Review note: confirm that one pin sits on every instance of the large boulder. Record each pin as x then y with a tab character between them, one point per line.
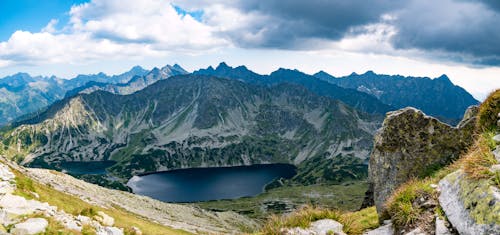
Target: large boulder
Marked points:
30	226
411	144
471	206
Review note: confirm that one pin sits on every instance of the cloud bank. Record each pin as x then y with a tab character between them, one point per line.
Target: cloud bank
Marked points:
455	31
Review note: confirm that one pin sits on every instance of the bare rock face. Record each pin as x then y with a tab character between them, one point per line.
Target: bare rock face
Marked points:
472	206
411	144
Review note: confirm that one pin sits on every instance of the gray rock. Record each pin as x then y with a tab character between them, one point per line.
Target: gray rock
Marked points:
327	226
455	188
409	143
105	219
416	231
30	226
441	228
382	230
496	138
320	227
496	153
110	231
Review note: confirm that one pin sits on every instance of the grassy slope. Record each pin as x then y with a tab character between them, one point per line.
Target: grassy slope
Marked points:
74	205
347	196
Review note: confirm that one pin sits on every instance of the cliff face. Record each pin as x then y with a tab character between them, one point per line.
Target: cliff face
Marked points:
411	144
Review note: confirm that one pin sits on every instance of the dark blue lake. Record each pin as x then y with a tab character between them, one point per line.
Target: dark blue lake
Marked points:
205	184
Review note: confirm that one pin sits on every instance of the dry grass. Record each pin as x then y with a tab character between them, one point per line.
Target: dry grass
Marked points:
488	111
402	206
354	222
479	159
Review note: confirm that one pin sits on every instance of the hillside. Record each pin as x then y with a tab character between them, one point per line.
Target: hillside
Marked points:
193	121
438	97
39	201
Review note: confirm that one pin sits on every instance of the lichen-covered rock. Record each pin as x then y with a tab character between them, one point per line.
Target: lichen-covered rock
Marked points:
411	144
471	206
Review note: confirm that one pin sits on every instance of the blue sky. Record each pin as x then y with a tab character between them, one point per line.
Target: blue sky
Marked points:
31	15
459	38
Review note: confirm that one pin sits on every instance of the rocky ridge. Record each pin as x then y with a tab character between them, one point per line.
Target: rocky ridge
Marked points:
14	209
181	217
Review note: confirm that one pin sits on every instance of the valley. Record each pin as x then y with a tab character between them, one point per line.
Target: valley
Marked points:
222	140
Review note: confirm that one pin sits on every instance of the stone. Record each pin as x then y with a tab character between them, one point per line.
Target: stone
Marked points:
457	196
409	143
327	226
136	230
30	226
84	219
416	231
320	227
496	153
441	228
382	230
104	219
496	138
110	231
495	168
5	173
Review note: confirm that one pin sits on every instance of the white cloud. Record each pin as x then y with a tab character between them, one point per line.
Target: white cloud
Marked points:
111	29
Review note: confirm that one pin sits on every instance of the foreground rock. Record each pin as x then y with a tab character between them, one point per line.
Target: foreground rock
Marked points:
471	206
411	144
320	227
30	226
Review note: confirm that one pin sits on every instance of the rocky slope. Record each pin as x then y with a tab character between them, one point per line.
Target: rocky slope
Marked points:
437	97
43	217
193	121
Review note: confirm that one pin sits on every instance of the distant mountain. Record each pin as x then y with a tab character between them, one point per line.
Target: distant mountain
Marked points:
438	97
353	98
82	80
200	121
135	83
21	94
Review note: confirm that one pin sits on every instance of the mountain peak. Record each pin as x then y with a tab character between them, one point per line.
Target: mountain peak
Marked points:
444	78
369	72
223	65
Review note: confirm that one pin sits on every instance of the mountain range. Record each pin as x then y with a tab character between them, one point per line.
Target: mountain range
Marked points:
438	97
168	119
199	121
21	94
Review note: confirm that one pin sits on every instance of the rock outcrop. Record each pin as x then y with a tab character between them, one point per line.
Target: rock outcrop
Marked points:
411	144
472	206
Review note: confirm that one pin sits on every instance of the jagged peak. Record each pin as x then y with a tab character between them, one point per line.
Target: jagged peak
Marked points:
443	78
223	65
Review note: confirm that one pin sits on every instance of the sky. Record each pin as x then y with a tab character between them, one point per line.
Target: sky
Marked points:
459	38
